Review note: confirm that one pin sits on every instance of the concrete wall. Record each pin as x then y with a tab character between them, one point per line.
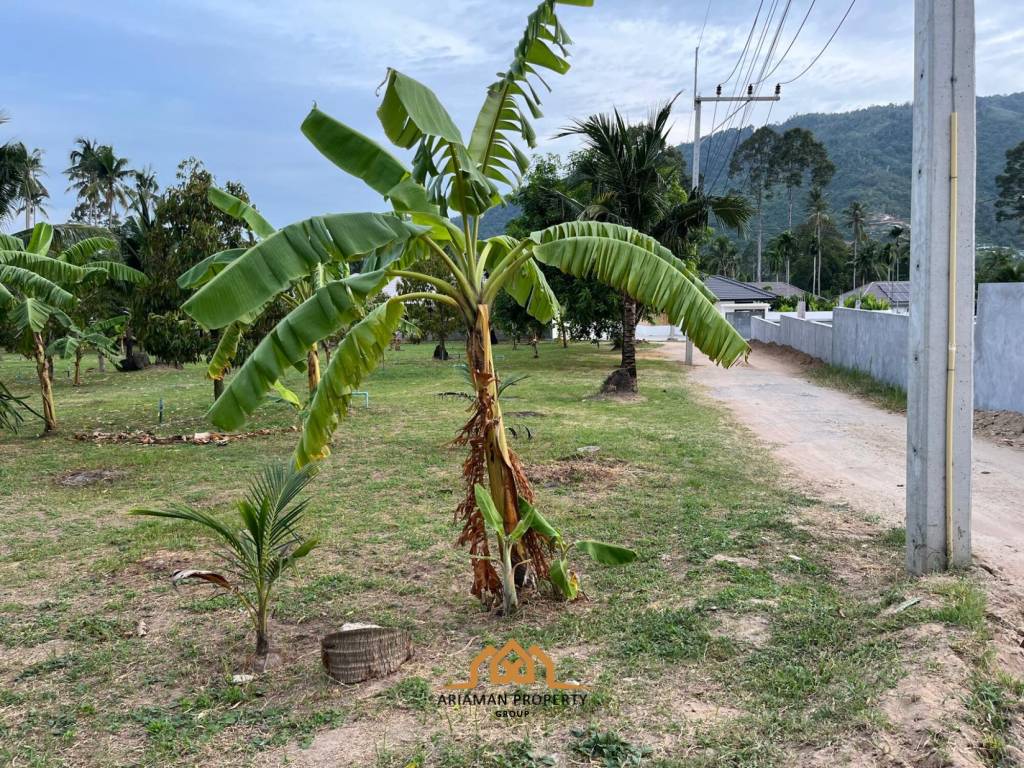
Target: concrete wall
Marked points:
810	337
872	342
765	331
998	354
877	344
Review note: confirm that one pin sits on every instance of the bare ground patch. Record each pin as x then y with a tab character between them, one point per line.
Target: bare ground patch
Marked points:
78	478
591	470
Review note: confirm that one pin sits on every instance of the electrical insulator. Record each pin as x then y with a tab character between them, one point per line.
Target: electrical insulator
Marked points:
750	90
718	91
778	89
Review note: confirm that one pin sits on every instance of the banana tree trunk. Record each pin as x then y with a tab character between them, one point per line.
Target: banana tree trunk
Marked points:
45	383
101	362
492	463
312	369
78	368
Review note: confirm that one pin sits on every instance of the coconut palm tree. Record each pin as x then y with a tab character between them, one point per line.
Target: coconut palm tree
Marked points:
31	192
448	175
818	218
856	219
782	249
634	176
101	179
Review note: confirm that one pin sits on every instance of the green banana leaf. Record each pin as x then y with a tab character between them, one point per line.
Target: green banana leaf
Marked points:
33	285
325	313
411	115
606	554
528	286
491	144
492	517
353	152
42	236
122	273
81	251
33	314
629	235
650	280
208	268
358	354
241	210
224	354
291	253
46	267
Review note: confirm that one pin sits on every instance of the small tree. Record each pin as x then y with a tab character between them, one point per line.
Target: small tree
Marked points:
260	550
100	337
516	322
434	320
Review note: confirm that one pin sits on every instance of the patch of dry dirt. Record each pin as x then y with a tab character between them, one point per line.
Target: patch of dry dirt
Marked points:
78	478
593	471
1001	427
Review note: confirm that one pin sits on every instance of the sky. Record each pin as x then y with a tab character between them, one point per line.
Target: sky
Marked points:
229	81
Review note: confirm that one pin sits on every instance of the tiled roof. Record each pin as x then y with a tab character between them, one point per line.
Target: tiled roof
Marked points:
895	292
782	289
727	289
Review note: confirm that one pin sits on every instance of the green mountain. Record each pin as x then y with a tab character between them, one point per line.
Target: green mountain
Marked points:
871	150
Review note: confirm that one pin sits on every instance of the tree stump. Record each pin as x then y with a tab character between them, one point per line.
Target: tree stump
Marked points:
619	382
364	652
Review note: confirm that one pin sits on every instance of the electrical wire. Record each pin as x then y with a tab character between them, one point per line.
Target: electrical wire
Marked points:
707	12
827	44
747	106
793	41
746	46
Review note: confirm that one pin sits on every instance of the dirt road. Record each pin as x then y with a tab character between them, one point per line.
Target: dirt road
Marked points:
847	450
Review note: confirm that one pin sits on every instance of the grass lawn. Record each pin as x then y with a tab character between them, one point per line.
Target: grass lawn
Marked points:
758	627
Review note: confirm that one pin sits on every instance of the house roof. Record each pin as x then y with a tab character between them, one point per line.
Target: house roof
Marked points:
892	291
727	289
781	289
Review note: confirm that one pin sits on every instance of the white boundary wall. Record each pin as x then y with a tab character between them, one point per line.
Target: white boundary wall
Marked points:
876	343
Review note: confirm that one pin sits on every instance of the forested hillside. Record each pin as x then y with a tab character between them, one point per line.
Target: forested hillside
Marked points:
871	151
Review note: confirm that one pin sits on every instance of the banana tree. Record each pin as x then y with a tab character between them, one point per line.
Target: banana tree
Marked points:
447	176
35	289
101	336
292	295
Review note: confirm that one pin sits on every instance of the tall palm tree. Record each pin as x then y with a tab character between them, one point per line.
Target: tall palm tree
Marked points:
782	249
900	246
634	175
100	178
722	256
31	193
856	219
818	217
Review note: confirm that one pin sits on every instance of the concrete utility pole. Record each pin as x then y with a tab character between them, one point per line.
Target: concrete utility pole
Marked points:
695	171
940	387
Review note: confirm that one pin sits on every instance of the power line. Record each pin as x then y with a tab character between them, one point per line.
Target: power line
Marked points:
716	149
746	46
793	41
748	106
700	39
827	44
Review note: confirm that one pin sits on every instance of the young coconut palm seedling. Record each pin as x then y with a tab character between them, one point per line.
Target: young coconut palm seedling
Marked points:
261	550
448	176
